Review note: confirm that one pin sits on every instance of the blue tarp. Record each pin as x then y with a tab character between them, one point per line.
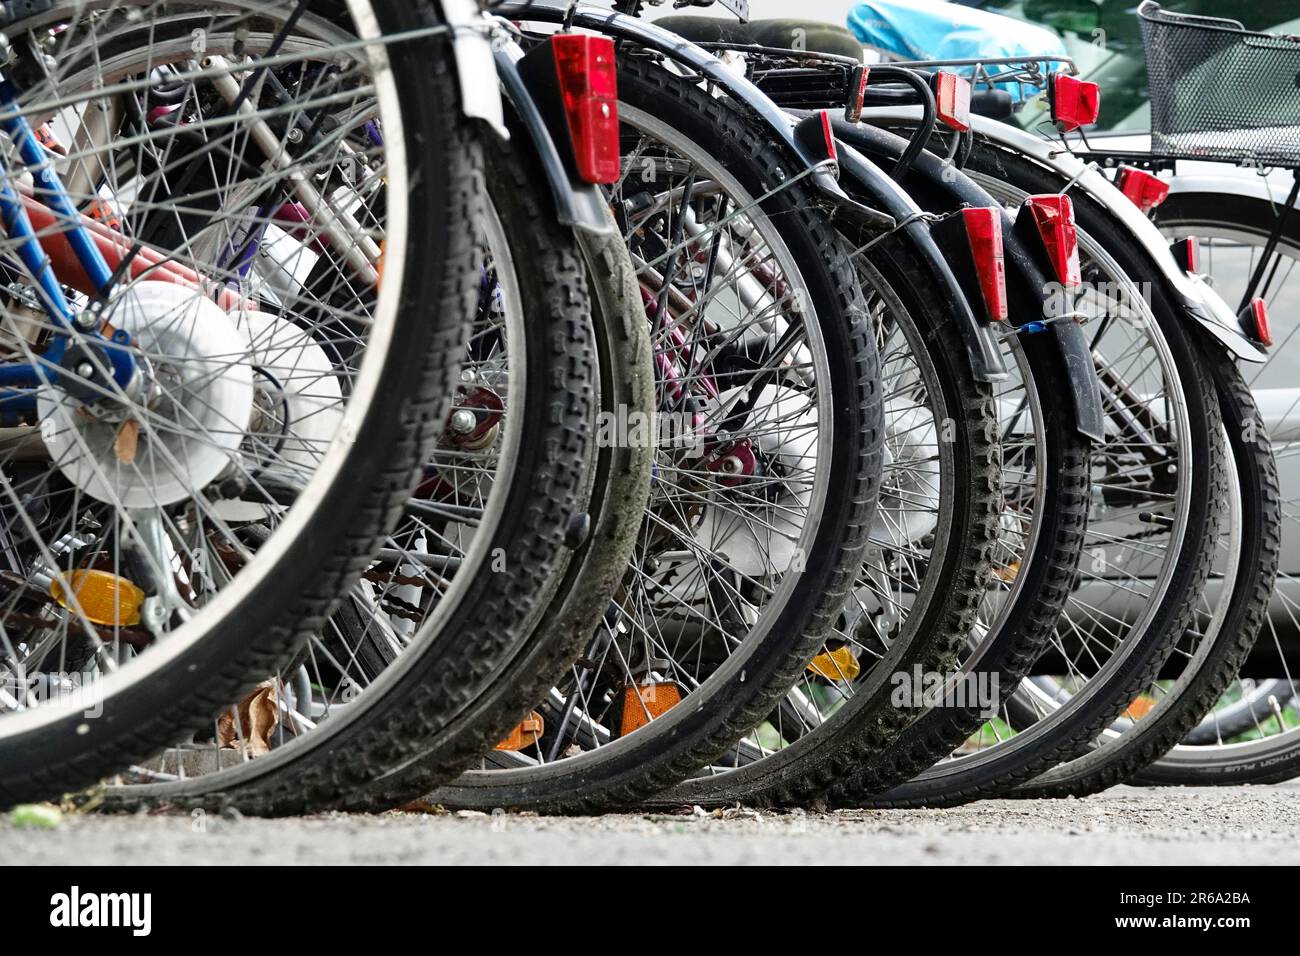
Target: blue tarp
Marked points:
936	30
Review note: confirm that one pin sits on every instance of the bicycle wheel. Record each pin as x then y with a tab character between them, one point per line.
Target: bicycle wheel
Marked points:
928	563
767	463
1252	735
1221	637
1156	480
133	604
415	673
849	739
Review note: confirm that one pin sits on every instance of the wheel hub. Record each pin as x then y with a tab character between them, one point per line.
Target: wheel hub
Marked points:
186	423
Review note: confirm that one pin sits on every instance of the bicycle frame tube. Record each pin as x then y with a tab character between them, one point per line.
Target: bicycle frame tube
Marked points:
21	134
18	227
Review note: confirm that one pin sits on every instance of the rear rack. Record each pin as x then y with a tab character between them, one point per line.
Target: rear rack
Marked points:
809	79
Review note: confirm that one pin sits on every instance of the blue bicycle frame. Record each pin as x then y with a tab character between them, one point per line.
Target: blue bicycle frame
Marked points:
17	380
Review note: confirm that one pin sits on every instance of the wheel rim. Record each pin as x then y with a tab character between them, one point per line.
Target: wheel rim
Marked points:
419	578
1256	717
1091	641
695	596
162	533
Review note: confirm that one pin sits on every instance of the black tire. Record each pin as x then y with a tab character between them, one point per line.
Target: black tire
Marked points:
878	753
398	429
756	676
1273	758
1069	732
1207	676
936	629
1189	211
622	480
1024	629
450	695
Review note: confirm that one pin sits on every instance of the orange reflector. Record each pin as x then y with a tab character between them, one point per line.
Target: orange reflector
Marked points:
45	136
839	664
526	733
100	596
101	211
646	702
1140	707
1007	572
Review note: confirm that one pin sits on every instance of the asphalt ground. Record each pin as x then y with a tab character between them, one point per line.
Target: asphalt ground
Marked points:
1128	826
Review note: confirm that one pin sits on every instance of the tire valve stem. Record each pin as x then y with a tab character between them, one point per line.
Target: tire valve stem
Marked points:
1276	708
1150	517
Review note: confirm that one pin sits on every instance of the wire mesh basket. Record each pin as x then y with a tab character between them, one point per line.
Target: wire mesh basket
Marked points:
1220	91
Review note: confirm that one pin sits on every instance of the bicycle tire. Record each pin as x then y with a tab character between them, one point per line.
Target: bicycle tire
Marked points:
994	774
1138	750
449	696
390	440
729	704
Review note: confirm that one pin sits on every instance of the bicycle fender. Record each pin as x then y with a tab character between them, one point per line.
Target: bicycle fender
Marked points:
578	205
1252	187
1197	301
471	44
880	189
697	61
1025	278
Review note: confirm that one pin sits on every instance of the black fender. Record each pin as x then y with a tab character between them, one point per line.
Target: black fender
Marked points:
981	346
940	187
578	205
696	60
1211	319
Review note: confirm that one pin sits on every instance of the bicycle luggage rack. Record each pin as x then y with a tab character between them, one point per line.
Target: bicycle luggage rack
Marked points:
810	79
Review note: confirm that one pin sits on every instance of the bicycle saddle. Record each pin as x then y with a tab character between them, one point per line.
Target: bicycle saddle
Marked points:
812	35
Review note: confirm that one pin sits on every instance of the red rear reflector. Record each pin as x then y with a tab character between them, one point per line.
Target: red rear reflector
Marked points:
1074	102
952	100
984	230
589	84
1260	331
1054	216
857	94
828	135
1187	253
1145	190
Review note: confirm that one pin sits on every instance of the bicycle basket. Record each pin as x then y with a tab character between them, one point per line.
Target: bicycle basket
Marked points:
1220	91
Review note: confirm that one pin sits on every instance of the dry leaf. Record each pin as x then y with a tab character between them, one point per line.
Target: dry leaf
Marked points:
423	806
259	715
